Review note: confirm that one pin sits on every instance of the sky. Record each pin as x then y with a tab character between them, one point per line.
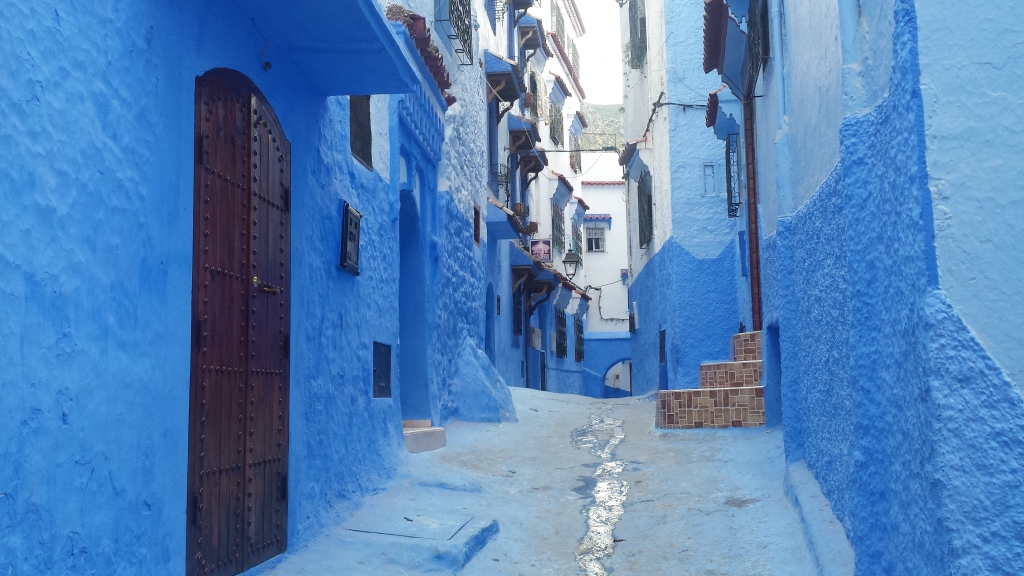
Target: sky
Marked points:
601	51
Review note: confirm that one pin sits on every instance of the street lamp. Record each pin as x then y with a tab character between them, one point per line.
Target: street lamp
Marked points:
571	261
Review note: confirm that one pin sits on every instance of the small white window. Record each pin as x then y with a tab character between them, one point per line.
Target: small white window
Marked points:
595	239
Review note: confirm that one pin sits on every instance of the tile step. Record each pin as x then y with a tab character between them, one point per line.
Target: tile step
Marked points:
746	346
738	407
730	374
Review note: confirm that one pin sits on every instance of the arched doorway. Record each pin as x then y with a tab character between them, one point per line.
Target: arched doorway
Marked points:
241	299
411	312
618	379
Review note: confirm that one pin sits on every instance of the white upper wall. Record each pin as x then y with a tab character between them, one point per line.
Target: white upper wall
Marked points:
972	66
609	310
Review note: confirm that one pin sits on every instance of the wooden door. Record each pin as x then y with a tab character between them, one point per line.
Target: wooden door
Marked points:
238	421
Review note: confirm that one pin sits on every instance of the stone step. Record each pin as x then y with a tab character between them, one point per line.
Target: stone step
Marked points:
746	346
730	374
740	407
423	439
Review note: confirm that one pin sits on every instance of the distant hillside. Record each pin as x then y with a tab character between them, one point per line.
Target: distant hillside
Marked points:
605	126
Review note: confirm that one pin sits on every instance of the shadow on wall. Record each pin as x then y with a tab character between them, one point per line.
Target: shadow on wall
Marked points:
411	312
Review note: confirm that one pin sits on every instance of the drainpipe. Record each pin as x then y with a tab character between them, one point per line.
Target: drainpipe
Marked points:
753	234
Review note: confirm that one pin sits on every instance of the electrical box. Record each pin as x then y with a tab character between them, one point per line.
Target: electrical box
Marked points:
351	223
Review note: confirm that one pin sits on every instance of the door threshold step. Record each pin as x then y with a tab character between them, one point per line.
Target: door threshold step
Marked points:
424	439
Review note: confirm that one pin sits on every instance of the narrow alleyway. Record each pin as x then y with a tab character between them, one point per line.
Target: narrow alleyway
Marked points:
578	486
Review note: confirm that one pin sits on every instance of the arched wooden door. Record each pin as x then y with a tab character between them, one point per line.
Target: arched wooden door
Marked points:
238	413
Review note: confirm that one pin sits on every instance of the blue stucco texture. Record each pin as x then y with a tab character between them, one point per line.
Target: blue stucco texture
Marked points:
699	317
909	426
602	351
478	389
96	248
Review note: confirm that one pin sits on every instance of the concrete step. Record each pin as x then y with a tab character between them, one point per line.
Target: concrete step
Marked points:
739	407
423	439
730	374
746	346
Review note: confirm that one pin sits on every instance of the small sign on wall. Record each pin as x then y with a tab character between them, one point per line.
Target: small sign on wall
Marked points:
541	249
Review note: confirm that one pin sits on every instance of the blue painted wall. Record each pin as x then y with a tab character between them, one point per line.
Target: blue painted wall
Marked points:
601	351
97	101
911	428
698	313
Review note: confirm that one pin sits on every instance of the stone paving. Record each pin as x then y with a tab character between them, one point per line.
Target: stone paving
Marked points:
589	487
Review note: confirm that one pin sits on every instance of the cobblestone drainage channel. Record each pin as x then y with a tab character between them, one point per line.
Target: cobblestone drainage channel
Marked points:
600	437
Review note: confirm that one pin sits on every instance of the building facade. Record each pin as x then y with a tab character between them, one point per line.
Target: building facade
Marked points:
883	285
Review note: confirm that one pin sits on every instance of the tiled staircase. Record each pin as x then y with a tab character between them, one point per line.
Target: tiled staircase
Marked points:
730	393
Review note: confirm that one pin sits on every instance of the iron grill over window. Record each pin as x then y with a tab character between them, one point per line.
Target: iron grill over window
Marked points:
557	123
360	132
595	239
561	344
557	228
732	175
574	57
577	241
578	321
575	157
517	314
533	110
645	201
457	18
556	14
637	34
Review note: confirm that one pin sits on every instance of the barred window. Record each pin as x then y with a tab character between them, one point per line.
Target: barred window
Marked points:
637	33
645	201
577	240
595	238
575	156
517	314
556	14
574	58
360	131
561	344
732	175
557	228
557	123
456	17
578	321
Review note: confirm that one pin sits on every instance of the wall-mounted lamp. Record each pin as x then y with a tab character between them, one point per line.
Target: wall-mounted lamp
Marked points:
571	261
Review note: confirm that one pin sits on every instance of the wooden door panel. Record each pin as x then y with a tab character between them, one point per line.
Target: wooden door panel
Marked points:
238	441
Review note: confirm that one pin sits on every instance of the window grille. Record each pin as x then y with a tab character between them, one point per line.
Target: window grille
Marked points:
575	156
637	33
595	238
457	17
360	131
556	14
557	124
645	200
574	58
561	344
557	228
476	224
534	109
577	241
732	175
578	321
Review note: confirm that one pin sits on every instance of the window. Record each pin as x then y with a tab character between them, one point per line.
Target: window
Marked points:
556	15
662	356
574	58
381	370
578	321
575	156
645	200
533	110
360	131
637	34
557	228
561	344
577	240
595	238
732	175
457	17
517	314
476	224
557	123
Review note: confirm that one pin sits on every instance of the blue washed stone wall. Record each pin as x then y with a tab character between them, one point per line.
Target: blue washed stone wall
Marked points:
910	427
601	351
95	289
698	312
